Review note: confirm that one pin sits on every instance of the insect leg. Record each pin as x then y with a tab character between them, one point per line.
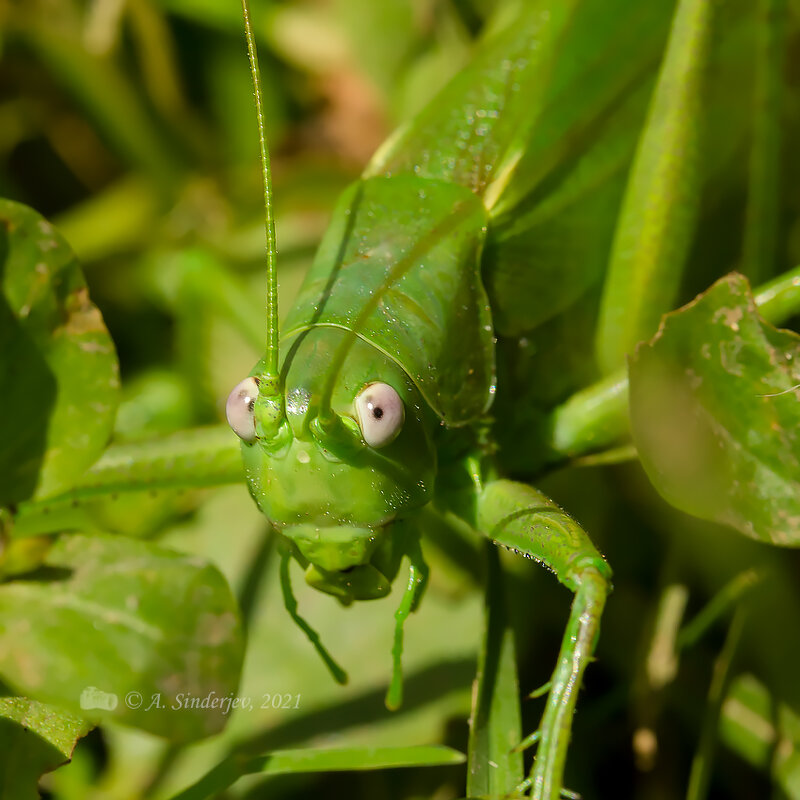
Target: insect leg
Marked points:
522	519
290	601
415	587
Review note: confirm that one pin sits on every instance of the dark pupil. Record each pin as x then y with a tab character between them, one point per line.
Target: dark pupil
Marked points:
377	412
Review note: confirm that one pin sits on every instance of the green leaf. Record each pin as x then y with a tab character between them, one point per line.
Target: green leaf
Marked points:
58	367
124	630
714	414
496	727
34	739
283	762
661	206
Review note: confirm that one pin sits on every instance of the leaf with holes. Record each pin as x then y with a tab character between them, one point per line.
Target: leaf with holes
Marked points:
58	366
34	738
715	414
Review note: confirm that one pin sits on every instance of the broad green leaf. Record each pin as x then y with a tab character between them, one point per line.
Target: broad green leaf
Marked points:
715	417
34	738
660	209
283	762
496	728
125	630
58	367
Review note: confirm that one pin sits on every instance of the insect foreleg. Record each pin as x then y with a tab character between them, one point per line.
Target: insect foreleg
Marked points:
524	520
415	587
289	600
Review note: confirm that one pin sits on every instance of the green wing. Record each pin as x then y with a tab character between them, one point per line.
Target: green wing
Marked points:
400	267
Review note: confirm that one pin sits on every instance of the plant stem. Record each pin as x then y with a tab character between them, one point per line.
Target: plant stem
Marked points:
189	459
731	594
779	299
701	764
594	416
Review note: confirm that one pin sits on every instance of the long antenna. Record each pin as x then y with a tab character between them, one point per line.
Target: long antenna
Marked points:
271	358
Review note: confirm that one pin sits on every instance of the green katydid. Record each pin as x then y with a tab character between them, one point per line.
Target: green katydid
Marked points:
388	353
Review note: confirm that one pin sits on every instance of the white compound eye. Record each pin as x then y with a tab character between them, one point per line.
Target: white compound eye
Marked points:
239	409
380	414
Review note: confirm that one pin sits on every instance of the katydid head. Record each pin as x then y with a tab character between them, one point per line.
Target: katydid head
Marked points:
335	474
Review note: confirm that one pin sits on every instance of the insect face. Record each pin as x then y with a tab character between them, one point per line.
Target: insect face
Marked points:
333	486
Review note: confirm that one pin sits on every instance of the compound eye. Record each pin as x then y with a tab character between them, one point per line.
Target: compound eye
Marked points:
380	414
239	409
